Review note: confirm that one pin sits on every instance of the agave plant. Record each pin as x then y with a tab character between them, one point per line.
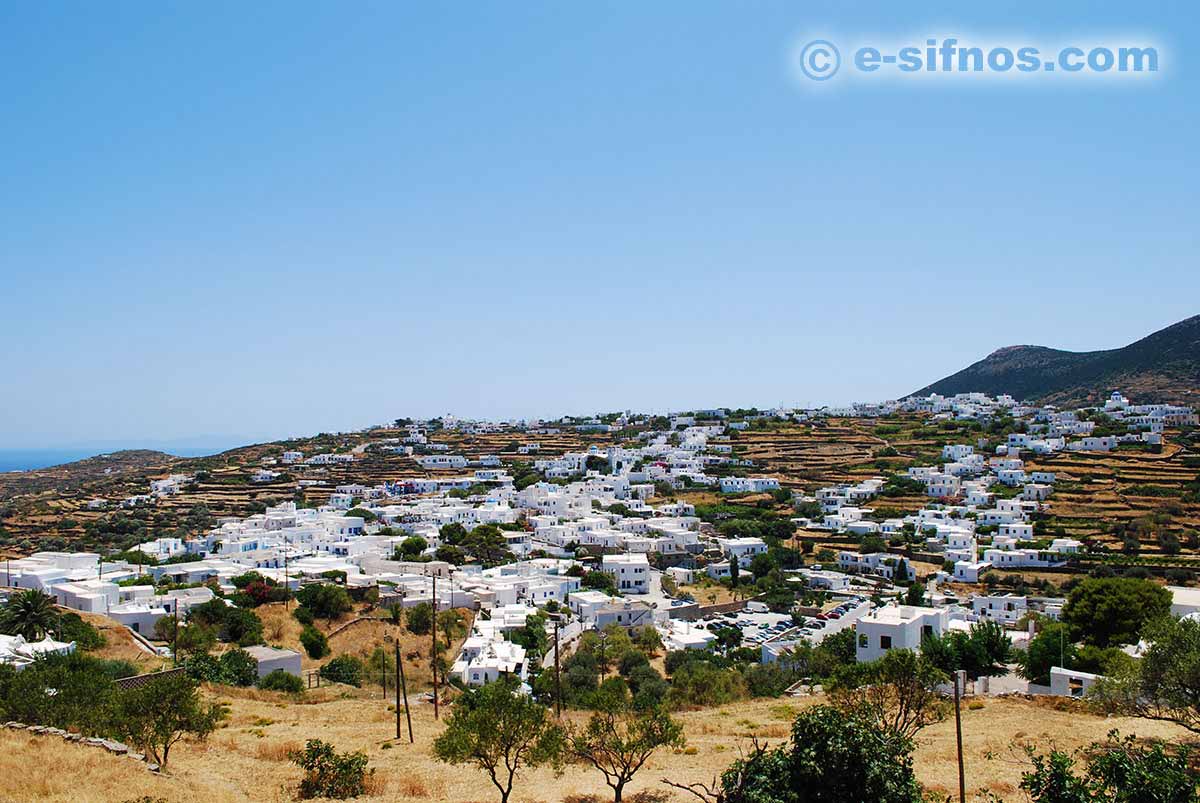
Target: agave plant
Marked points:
29	614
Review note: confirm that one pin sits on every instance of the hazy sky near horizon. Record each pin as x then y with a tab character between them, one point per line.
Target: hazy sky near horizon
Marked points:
244	221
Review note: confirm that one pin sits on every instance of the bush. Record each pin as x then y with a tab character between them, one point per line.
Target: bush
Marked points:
234	668
278	680
328	773
314	642
238	668
326	601
699	683
834	757
242	627
419	618
344	669
72	627
303	615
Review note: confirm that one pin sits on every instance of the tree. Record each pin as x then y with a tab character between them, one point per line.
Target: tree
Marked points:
195	637
328	773
362	513
728	638
761	565
325	600
618	741
898	690
72	627
242	627
487	544
451	625
452	534
314	642
735	570
1106	611
500	732
915	595
835	756
344	669
1120	771
1049	648
1165	684
238	668
649	641
981	651
29	614
412	547
420	618
450	554
600	581
872	544
158	714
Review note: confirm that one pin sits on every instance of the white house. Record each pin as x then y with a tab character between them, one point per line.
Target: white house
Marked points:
748	484
271	658
897	627
743	548
1070	682
632	572
1005	609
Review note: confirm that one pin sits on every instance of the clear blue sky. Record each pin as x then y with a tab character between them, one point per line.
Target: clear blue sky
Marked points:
244	221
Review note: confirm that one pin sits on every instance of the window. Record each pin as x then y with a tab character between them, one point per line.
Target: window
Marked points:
862	640
885	642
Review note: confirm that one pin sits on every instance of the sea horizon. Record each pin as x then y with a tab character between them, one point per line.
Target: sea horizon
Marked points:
34	458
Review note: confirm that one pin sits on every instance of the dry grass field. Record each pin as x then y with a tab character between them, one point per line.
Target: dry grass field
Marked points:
246	758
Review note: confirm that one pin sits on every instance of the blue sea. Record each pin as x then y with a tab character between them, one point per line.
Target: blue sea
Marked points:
29	459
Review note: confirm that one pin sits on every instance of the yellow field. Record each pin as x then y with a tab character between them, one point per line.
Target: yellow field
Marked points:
246	759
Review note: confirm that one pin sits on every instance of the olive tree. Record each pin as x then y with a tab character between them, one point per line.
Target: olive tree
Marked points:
158	714
1165	683
501	732
618	741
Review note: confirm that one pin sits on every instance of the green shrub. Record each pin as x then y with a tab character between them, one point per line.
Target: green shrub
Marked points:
419	618
72	627
325	600
314	642
344	669
278	680
303	615
238	668
328	773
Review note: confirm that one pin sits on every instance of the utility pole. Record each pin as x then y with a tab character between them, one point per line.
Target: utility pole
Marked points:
557	673
402	688
433	655
287	583
960	678
175	637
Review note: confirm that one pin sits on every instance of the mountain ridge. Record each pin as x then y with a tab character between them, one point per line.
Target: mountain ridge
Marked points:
1163	367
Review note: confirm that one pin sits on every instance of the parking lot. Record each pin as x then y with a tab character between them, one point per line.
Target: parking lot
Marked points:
761	627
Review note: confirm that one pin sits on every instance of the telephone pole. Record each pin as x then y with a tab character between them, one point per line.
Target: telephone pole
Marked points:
960	677
287	583
557	672
402	688
433	655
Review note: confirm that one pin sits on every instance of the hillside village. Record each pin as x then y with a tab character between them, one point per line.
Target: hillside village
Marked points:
673	535
595	511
